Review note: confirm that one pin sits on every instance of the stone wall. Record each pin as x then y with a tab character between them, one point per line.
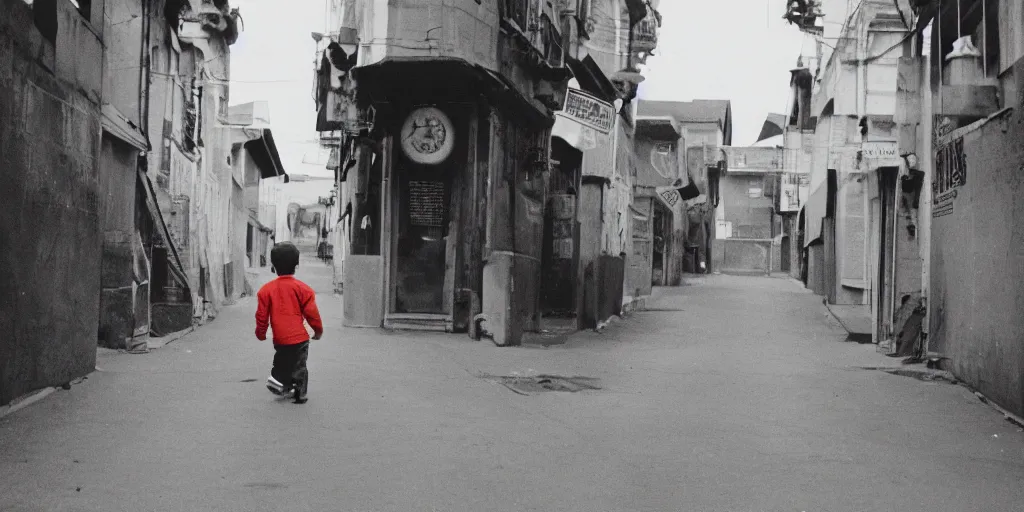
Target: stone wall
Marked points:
976	262
49	226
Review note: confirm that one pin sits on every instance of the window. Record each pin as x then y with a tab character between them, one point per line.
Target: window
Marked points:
978	19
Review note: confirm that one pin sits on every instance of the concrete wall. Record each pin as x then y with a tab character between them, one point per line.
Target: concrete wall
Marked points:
435	28
117	177
748	256
745	205
49	146
123	71
976	262
638	261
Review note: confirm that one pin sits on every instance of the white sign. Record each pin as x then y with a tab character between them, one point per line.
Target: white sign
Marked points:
723	229
670	196
589	111
880	151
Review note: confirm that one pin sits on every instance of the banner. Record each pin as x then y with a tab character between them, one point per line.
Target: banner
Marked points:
589	111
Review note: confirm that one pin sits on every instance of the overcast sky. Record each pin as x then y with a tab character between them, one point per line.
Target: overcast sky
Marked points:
739	50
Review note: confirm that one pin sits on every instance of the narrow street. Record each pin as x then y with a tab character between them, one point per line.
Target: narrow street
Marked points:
734	393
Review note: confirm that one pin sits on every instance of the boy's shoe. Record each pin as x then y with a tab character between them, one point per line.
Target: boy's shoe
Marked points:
275	386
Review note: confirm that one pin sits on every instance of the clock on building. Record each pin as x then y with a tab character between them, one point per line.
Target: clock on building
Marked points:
428	136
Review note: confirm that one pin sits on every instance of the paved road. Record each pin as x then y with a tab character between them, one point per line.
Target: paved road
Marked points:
736	394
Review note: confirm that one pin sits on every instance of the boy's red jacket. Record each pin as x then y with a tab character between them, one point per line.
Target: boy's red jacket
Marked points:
283	305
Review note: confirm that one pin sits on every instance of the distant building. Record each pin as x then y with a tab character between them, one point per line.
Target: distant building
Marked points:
254	159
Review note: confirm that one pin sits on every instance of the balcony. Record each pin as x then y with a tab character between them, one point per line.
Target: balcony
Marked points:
806	15
645	34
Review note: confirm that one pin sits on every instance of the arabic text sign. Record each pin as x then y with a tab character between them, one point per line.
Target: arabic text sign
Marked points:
589	111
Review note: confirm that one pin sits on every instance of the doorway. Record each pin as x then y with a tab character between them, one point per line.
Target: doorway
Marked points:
662	245
884	250
561	232
421	241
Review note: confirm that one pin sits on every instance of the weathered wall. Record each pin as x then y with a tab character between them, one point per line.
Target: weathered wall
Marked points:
123	72
976	260
117	177
638	261
746	206
743	256
49	148
436	28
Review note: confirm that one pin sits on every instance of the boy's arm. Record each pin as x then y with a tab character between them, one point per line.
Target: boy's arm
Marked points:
262	315
312	313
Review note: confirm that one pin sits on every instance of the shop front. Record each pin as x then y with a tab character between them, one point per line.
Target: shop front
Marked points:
447	194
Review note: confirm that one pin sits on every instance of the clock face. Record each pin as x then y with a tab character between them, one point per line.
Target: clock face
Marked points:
428	136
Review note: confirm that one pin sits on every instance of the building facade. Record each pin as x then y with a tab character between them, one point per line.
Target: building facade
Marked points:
705	127
748	229
963	180
106	94
254	158
51	85
456	203
916	161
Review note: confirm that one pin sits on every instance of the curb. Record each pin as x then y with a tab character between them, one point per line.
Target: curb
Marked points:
25	401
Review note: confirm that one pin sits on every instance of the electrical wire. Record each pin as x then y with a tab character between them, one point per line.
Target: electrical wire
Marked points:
896	3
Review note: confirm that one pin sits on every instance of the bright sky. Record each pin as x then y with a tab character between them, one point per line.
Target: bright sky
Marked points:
739	50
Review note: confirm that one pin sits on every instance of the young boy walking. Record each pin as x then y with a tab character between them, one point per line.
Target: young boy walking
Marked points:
284	305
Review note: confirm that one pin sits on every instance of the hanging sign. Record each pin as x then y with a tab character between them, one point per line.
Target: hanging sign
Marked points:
428	136
671	197
589	111
950	176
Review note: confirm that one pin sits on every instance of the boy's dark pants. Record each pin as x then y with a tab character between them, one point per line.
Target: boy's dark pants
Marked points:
290	366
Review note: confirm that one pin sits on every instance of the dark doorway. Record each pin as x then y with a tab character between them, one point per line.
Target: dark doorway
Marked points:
662	242
561	232
423	214
887	183
248	244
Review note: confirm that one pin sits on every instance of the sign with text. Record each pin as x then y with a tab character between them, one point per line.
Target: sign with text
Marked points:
880	153
589	111
950	175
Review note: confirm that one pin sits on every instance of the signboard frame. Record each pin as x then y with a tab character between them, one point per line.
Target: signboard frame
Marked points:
576	104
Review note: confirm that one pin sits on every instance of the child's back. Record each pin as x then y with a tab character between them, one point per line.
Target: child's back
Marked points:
285	306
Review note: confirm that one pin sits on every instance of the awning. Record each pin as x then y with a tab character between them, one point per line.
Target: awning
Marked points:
118	125
774	124
814	212
264	153
657	128
592	79
407	79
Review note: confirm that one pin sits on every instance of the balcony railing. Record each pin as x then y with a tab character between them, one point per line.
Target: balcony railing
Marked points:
645	35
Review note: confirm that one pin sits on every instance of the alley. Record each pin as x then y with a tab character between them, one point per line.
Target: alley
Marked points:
732	393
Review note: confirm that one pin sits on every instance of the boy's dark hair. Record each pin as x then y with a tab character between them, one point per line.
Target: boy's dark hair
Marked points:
284	257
